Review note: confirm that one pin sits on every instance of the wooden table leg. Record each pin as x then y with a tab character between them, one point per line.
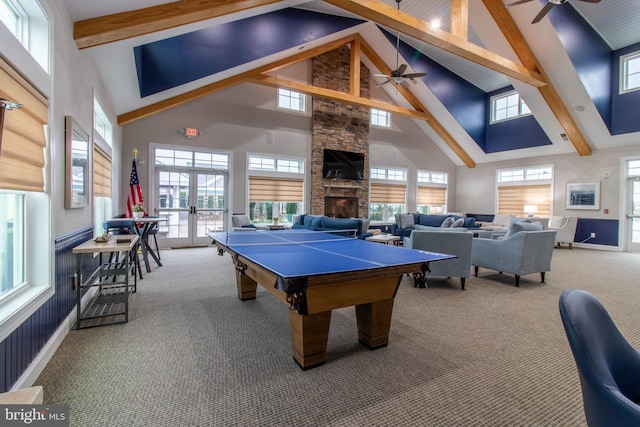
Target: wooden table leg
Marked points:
374	323
247	287
309	336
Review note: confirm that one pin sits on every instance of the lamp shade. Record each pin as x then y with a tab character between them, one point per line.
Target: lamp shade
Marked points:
530	209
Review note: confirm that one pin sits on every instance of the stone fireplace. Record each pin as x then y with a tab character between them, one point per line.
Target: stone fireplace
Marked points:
338	126
341	207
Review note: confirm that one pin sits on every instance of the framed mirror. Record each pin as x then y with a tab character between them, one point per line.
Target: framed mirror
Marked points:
77	165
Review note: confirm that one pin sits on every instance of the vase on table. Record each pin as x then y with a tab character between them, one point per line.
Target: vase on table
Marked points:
138	215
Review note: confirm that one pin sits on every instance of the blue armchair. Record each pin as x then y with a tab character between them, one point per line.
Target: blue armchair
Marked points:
446	242
519	252
609	368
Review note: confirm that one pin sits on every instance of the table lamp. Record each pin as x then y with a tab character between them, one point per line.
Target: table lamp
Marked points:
530	210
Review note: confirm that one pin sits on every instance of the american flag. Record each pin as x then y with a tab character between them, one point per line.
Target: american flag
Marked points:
135	194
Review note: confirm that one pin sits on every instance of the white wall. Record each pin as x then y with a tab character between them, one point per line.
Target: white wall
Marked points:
74	80
475	191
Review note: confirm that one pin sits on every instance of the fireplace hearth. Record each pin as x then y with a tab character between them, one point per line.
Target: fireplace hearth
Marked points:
341	207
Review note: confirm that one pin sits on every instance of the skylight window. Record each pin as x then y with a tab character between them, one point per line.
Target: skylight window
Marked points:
630	72
508	106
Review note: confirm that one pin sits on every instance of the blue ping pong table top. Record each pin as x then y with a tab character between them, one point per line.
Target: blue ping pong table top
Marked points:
300	253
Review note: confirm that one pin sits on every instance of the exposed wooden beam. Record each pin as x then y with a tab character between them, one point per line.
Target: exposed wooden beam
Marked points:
512	33
334	95
375	10
211	88
460	18
119	26
437	127
354	68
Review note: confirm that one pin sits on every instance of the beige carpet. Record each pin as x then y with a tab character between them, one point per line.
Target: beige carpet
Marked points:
192	354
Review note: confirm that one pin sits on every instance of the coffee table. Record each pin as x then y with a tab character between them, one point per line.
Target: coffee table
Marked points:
384	238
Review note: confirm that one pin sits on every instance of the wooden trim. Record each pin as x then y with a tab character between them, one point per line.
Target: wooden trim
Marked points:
354	69
377	11
209	89
460	18
124	25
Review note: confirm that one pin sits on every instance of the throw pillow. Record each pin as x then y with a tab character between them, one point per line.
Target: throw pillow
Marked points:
447	222
405	220
518	226
458	223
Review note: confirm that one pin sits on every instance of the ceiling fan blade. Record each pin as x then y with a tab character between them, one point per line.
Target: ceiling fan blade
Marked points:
515	3
591	1
400	71
547	7
382	84
414	75
380	75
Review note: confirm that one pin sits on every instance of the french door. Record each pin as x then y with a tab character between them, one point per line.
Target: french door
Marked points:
633	214
194	202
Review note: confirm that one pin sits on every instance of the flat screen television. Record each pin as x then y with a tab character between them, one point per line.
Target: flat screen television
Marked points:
343	165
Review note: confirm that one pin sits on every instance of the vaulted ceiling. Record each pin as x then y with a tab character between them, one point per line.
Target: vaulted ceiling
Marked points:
484	44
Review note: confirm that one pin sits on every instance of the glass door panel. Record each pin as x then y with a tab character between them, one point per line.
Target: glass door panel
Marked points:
209	206
633	221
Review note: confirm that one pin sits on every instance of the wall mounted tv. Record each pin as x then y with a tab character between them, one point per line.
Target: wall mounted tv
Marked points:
343	165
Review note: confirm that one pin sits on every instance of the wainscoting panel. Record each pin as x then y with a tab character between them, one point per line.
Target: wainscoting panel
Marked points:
606	231
20	348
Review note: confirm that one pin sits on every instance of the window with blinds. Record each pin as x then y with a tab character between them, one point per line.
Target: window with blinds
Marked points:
264	189
512	199
432	200
388	194
101	173
386	200
23	138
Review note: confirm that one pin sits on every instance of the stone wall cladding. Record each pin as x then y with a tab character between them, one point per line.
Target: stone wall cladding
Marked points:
338	126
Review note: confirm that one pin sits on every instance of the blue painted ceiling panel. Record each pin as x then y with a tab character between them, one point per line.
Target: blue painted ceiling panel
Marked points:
178	60
589	53
465	101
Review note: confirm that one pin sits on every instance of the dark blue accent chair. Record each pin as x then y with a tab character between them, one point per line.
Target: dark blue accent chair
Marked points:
608	366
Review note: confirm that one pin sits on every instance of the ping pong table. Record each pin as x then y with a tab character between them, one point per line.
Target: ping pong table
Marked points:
315	273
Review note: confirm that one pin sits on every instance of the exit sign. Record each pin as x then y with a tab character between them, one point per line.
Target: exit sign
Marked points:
191	132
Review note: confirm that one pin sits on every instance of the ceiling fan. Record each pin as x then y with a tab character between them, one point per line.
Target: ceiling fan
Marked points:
547	7
398	76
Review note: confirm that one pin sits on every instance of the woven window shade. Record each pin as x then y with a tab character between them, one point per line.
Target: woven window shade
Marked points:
275	189
23	139
432	196
388	193
101	173
511	200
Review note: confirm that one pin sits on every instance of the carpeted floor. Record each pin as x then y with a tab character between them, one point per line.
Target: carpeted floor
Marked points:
193	354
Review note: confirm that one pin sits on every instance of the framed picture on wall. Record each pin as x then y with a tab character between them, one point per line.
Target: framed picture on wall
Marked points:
583	195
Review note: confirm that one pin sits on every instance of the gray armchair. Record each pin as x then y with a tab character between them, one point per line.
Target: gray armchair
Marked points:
447	242
518	253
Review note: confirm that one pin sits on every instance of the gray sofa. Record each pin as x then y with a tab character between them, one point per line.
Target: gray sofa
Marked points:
447	241
524	249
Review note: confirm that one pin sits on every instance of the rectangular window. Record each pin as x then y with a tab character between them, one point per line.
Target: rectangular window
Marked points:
191	159
271	198
380	118
10	17
630	72
529	185
389	174
507	106
429	177
12	237
273	164
101	123
386	200
291	100
533	173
